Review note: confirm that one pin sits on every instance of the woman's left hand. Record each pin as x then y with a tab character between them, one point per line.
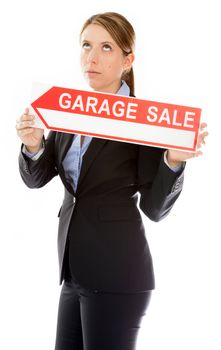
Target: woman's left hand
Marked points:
175	157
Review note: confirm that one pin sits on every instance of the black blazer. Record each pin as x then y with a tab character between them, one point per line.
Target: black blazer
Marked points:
101	222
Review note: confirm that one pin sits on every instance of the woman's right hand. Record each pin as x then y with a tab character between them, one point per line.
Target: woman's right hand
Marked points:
30	137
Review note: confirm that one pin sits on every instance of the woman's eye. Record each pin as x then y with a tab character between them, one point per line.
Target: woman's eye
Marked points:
86	45
107	47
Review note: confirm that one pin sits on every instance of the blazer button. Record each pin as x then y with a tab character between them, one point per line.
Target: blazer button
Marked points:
74	200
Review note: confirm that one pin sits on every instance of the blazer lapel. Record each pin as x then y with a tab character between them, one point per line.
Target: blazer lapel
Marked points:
63	146
92	152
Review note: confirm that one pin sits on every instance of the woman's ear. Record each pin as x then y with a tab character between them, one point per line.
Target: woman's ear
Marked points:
128	61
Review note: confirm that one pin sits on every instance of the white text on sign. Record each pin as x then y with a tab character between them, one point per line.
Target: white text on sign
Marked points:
121	109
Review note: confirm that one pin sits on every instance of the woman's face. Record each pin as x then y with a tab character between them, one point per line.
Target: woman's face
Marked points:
102	60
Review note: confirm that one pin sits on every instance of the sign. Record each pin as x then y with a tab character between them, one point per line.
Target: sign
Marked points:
117	117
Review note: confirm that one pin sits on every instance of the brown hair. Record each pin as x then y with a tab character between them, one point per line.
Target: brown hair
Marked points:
123	34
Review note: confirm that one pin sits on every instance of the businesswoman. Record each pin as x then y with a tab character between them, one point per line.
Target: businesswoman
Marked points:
105	263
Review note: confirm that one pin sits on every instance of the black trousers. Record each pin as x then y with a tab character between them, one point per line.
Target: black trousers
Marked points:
96	320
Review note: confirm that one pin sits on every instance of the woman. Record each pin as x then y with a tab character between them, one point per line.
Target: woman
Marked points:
105	262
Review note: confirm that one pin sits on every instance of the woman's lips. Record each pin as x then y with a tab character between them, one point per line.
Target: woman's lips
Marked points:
92	73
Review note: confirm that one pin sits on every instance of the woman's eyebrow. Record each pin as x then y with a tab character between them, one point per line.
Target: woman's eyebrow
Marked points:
102	43
107	42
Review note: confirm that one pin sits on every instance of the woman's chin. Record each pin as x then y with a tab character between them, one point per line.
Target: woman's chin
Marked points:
96	87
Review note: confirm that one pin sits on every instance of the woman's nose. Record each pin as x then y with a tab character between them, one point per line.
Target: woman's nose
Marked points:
92	56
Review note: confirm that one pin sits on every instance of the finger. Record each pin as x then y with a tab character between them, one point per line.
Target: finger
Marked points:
24	124
203	126
24	132
201	138
28	117
196	154
26	111
25	117
204	135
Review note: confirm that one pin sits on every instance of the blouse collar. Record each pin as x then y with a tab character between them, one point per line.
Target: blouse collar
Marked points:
124	89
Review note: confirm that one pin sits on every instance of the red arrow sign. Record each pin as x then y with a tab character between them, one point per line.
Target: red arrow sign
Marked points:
119	118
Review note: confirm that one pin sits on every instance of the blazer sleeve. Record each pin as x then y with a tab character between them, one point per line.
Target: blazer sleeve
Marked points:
37	173
159	186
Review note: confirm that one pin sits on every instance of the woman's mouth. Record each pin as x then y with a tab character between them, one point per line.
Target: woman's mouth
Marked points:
92	73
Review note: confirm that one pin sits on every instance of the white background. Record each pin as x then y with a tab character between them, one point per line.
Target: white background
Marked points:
178	61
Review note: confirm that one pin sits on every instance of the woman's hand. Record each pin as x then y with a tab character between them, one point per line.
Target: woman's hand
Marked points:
175	157
30	137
